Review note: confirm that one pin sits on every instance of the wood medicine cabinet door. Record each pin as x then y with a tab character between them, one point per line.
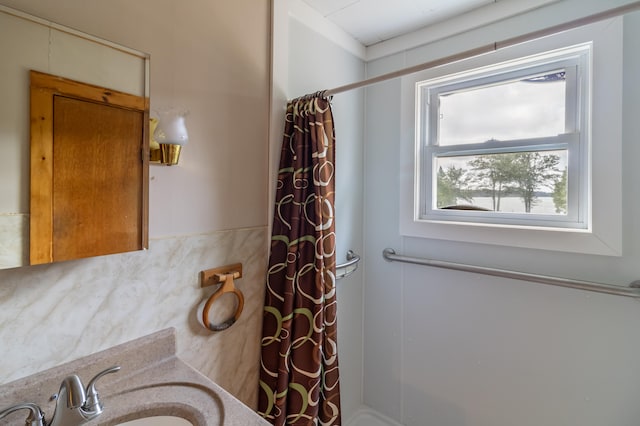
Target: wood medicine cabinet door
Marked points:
89	171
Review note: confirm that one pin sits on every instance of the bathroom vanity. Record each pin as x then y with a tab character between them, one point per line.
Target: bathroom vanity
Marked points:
152	381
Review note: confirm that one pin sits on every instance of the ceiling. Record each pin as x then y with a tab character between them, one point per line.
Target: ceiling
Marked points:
374	21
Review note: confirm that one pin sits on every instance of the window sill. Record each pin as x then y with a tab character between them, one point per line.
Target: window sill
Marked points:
606	243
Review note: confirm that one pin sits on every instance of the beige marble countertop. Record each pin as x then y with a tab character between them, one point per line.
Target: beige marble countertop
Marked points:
152	382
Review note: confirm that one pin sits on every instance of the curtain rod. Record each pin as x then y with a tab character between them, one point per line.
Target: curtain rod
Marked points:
633	290
611	13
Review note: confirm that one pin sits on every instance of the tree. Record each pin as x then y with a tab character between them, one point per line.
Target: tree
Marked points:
493	173
560	193
533	171
450	186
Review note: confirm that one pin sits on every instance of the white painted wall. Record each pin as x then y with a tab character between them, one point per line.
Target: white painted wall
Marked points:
30	43
316	63
212	58
448	348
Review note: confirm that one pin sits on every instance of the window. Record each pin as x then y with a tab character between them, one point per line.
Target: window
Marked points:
520	147
504	144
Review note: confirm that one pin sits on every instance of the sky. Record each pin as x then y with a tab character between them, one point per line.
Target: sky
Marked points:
517	110
508	111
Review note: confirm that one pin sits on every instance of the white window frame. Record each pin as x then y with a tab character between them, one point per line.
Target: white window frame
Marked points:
575	60
597	230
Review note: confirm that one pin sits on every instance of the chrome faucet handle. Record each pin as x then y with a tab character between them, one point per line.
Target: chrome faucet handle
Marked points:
35	417
92	404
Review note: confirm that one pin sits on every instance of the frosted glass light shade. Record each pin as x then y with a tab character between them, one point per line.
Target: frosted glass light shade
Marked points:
172	128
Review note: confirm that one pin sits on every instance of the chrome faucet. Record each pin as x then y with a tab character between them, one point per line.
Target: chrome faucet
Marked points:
74	405
35	418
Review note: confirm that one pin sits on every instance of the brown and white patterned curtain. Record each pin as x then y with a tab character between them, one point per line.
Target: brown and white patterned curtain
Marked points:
299	372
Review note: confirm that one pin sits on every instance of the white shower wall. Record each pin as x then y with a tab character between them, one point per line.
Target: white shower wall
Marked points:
316	63
445	348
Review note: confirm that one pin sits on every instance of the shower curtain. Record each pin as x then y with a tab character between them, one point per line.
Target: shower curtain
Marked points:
299	369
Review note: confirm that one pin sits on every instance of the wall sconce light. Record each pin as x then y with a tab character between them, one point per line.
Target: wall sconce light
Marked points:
155	154
170	134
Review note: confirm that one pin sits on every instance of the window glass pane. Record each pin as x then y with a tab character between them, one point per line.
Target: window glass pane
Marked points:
527	108
518	182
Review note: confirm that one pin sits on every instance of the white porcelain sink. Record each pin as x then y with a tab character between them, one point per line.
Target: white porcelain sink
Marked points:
158	421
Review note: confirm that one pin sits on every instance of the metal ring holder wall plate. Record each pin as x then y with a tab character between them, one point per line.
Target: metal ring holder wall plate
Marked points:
225	276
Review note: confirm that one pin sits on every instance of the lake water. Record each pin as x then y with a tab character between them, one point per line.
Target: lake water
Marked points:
542	205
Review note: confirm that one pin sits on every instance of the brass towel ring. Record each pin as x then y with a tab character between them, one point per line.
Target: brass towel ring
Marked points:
227	287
